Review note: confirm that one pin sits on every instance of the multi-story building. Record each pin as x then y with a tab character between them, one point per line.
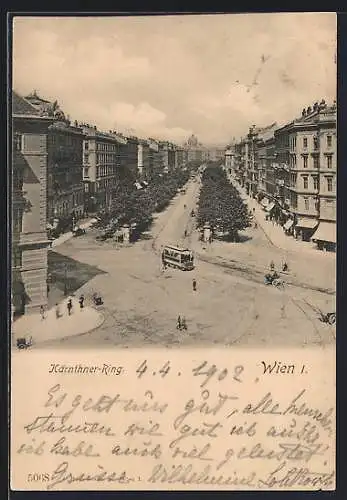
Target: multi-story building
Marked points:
143	158
325	235
181	157
154	157
251	162
129	155
230	159
30	129
196	152
252	157
65	199
295	167
265	155
241	156
101	160
168	156
306	149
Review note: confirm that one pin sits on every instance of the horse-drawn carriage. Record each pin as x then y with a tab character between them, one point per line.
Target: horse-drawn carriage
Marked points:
23	343
324	317
274	279
78	231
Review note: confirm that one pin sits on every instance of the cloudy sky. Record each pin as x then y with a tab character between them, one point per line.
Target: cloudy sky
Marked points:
169	76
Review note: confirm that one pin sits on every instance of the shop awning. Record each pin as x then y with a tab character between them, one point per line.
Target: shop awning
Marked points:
288	224
270	207
306	223
264	202
326	231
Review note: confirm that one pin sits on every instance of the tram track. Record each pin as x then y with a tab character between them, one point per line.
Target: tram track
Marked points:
257	275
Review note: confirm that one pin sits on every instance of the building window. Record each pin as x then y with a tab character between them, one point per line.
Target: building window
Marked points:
305	142
330	183
86	187
85	173
307	203
329	161
305	159
315	142
329	141
17	139
305	180
315	162
315	182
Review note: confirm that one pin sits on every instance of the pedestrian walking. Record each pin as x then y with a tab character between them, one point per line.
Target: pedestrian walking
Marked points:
194	285
57	311
185	233
184	324
272	265
179	324
42	312
81	302
69	306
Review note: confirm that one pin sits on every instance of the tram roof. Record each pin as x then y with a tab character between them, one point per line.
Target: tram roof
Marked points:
179	249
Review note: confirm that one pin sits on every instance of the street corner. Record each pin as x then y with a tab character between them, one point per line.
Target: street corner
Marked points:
57	324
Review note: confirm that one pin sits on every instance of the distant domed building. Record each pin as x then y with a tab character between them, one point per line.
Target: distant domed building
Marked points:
194	150
192	141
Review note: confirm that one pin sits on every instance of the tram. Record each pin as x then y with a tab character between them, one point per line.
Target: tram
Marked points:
179	258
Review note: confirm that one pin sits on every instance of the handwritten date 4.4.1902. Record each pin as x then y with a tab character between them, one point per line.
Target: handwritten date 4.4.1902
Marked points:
205	371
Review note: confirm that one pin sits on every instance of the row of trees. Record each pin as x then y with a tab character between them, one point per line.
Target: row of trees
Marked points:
133	205
220	204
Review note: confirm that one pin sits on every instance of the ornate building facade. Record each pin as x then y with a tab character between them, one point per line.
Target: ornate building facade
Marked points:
101	161
195	152
65	197
294	167
30	131
306	151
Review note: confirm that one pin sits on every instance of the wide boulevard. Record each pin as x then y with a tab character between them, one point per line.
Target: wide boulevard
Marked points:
231	305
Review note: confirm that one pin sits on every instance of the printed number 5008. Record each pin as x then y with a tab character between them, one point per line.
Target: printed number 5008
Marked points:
38	477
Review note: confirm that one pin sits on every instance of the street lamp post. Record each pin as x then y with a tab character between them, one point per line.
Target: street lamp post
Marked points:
65	280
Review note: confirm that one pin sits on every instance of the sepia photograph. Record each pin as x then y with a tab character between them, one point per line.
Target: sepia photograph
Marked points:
174	188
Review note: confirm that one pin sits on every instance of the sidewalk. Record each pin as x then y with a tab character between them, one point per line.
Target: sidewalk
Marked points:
66	236
53	328
275	233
